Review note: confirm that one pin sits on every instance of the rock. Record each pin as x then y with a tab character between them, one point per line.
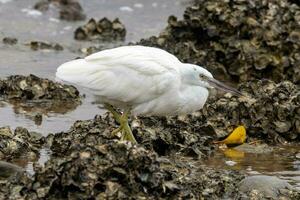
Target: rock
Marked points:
36	96
31	87
255	149
237	40
159	134
18	143
87	162
38	45
38	119
42	5
267	186
104	29
7	169
10	40
69	10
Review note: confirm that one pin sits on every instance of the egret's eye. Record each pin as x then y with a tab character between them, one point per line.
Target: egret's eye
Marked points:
202	76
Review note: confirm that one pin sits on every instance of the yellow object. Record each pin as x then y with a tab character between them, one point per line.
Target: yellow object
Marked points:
237	137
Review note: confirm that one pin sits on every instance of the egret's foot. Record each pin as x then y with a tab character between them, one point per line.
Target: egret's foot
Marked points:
116	131
123	121
115	113
127	134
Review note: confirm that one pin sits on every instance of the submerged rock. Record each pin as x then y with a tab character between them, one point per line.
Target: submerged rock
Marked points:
38	45
240	40
69	10
10	40
268	187
269	111
19	143
104	29
254	148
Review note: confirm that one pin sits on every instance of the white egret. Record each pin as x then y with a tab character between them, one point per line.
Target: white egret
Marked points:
141	81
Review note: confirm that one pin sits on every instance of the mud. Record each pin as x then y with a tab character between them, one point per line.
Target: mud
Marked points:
239	41
69	10
104	30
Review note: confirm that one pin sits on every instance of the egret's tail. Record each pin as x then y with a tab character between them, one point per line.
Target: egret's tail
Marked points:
73	71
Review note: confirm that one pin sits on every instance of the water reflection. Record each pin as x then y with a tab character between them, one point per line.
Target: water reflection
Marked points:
282	162
45	117
34	110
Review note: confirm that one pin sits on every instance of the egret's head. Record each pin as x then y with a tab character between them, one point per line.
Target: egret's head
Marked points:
199	76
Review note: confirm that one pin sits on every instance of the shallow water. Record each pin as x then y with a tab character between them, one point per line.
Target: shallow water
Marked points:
142	18
283	162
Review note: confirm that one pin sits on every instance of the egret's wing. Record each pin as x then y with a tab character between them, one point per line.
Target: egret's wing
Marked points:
129	74
148	60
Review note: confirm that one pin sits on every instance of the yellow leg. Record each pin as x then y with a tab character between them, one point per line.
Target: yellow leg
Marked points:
126	131
123	121
116	115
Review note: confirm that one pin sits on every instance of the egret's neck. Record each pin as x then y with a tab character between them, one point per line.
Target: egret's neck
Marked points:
189	74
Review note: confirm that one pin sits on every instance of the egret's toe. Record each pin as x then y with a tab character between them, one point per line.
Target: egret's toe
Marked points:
116	131
127	134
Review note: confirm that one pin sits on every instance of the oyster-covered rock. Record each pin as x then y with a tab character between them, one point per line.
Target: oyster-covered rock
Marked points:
104	29
241	40
10	40
38	45
174	135
36	96
31	87
109	170
166	135
69	10
19	143
268	110
89	163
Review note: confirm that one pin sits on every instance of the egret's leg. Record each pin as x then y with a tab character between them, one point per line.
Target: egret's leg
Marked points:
116	115
126	131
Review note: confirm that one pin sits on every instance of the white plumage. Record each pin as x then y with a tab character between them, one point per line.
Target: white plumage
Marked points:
144	80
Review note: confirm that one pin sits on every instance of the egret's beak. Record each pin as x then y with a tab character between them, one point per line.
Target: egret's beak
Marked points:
219	85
